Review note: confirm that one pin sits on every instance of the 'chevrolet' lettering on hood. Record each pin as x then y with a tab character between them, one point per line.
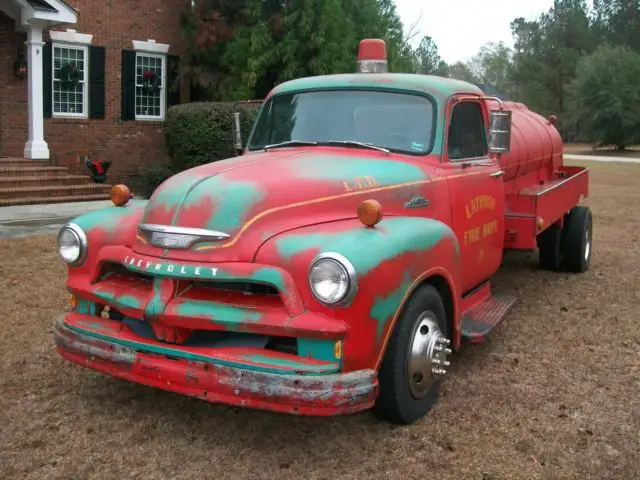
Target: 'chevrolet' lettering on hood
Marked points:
173	269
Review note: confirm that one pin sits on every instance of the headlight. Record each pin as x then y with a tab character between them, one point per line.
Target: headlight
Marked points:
332	279
72	244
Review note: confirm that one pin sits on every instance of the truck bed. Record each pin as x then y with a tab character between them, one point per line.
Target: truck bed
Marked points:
534	208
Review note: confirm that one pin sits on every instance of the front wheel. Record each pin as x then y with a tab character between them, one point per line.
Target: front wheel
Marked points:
415	359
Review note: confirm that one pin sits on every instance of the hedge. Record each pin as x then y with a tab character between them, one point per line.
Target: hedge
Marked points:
197	133
202	132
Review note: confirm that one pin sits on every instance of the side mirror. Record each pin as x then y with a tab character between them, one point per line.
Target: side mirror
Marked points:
237	134
500	131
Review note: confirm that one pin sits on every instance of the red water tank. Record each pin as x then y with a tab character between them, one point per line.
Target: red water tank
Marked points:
536	144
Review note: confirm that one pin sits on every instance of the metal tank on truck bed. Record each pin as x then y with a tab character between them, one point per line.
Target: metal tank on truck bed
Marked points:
536	147
339	260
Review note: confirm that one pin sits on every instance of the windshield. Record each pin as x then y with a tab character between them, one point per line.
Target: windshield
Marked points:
397	121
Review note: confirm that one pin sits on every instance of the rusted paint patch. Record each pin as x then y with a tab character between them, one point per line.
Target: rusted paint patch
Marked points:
331	394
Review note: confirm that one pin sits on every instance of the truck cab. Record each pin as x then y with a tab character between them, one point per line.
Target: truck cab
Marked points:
338	261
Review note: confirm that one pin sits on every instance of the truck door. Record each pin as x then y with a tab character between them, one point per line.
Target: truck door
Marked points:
476	192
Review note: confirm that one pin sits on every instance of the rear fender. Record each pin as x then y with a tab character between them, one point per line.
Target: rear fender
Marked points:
390	261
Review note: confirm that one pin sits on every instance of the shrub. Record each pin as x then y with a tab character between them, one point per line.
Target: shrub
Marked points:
151	177
202	132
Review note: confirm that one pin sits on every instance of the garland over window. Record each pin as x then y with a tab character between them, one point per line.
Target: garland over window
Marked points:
69	75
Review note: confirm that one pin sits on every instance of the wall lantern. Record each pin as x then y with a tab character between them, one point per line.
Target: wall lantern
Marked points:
20	66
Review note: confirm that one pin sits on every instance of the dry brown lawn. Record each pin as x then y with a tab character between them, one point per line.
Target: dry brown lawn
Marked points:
555	394
632	151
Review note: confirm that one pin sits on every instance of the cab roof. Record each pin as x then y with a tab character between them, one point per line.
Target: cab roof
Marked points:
438	87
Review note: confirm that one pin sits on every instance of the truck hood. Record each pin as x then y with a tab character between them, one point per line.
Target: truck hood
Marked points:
256	196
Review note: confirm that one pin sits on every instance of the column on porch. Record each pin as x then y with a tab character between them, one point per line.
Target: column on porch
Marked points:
35	148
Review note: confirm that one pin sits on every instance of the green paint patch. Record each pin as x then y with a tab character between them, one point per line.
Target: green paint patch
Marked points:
270	276
367	248
384	308
439	87
231	201
85	307
218	313
268	365
156	305
172	192
128	301
125	301
347	169
317	349
109	218
293	364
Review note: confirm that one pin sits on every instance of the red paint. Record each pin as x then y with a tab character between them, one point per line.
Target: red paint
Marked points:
320	395
488	204
372	49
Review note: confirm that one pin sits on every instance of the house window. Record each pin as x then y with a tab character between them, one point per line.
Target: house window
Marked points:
70	80
150	83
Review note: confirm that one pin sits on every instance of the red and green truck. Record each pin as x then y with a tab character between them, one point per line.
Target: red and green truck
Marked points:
339	260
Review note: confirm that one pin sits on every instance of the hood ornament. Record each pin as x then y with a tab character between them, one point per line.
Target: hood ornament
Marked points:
181	238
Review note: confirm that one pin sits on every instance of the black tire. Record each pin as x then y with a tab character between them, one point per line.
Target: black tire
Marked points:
577	239
395	402
550	248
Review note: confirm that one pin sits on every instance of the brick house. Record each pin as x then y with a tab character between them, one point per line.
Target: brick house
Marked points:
85	78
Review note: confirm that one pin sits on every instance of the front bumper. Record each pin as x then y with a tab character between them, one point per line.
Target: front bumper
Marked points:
319	395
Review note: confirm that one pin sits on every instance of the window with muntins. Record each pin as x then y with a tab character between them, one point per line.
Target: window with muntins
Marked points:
150	81
70	80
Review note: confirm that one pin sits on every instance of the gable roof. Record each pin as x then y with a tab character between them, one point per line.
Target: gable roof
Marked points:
41	5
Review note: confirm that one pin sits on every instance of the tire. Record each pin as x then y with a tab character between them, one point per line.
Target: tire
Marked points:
577	240
550	248
398	402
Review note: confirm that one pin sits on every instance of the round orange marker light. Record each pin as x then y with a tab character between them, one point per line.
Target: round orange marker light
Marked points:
370	212
120	195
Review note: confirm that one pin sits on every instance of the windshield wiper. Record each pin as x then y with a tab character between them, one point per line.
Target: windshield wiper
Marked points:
355	144
289	143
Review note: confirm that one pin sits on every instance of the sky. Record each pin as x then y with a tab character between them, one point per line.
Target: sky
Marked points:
460	27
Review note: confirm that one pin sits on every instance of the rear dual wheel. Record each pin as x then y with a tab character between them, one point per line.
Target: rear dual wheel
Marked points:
414	360
569	247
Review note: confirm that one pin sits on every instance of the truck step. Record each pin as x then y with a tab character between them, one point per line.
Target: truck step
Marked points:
482	318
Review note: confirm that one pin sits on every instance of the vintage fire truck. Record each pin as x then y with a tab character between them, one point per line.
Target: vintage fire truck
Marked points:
339	260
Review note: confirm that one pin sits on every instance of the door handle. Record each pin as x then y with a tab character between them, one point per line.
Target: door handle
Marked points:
499	173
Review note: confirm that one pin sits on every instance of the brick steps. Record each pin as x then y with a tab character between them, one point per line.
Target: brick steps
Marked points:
21	162
32	171
36	181
43	200
29	182
54	191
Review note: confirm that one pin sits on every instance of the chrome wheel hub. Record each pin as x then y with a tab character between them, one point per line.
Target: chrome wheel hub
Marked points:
587	245
428	352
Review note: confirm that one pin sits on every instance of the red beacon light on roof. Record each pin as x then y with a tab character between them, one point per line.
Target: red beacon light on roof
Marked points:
372	56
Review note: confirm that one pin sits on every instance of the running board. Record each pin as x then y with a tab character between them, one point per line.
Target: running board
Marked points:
483	317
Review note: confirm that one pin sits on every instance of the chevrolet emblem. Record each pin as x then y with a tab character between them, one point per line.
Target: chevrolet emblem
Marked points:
182	238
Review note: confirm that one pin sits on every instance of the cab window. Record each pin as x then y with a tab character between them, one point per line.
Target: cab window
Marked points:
467	137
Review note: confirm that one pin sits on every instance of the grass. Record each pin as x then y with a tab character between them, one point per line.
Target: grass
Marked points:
632	151
554	394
